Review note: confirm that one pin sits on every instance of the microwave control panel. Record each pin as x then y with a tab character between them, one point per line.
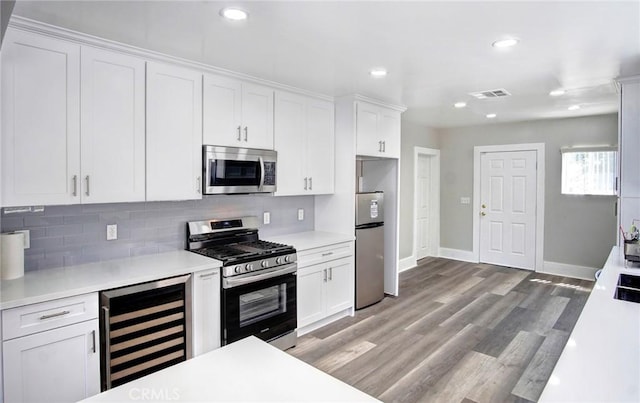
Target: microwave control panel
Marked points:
269	173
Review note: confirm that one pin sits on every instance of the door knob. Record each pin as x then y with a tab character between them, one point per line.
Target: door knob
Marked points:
483	214
483	206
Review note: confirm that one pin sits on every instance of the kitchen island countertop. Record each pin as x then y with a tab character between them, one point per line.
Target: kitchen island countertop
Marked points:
248	370
601	360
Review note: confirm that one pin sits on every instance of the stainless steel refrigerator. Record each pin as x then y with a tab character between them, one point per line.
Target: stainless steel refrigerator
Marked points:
369	248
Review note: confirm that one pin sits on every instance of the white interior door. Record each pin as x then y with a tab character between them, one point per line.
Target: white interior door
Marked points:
423	222
508	208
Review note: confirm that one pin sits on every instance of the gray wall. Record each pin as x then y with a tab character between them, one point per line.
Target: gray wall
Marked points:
579	230
76	234
412	135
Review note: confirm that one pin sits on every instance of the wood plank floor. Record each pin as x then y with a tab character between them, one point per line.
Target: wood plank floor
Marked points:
458	332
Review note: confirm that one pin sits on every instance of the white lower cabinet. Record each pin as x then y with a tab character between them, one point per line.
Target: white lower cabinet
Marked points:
325	288
61	364
206	311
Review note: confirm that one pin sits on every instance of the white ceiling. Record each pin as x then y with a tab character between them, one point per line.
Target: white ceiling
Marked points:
435	52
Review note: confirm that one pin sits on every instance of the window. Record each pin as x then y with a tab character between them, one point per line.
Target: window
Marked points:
589	171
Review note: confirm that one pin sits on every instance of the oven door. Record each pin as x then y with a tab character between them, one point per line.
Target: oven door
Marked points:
260	304
238	170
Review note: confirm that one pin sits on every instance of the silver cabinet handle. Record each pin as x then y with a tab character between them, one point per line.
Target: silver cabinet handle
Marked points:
330	273
310	183
198	179
379	146
93	336
384	146
54	315
327	254
87	190
325	275
246	133
239	133
207	275
305	183
75	185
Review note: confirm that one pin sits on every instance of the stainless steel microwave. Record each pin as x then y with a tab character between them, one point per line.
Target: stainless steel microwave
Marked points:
230	170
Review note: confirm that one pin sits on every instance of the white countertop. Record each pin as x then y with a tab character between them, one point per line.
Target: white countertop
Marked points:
312	239
248	370
601	361
44	285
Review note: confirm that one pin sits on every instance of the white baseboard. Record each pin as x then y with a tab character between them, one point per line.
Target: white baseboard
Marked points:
457	254
407	263
569	270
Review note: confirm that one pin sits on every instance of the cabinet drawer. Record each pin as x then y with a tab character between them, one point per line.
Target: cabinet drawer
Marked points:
324	265
324	254
34	318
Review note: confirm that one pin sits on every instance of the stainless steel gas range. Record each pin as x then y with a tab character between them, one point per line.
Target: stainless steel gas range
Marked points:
258	295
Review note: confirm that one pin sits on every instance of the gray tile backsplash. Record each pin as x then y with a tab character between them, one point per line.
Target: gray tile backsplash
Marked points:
76	234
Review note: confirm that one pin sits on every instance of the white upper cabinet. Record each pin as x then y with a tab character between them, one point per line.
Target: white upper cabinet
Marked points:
237	114
304	139
40	120
629	122
174	132
112	127
377	131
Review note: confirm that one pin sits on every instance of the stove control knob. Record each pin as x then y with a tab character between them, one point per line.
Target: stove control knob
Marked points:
248	267
278	260
287	259
264	263
237	269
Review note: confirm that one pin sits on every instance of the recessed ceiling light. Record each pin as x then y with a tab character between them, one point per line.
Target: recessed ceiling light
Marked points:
557	93
234	14
460	104
378	72
491	115
505	43
574	107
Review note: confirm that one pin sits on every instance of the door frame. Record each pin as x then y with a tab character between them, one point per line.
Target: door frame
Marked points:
540	179
434	193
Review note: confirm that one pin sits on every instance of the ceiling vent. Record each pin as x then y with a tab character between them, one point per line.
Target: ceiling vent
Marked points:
500	92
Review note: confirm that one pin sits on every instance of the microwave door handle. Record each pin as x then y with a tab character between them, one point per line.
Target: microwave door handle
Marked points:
261	172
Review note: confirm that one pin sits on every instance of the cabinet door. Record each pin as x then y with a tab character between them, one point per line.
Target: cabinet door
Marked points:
222	111
174	133
320	132
290	144
60	365
257	116
368	141
40	120
630	141
112	123
339	287
310	294
206	311
389	131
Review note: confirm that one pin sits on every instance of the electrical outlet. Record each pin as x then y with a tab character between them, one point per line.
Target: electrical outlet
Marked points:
300	214
112	232
27	238
465	200
266	218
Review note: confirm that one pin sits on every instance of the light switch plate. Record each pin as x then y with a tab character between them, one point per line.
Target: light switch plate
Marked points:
300	214
112	232
465	200
266	218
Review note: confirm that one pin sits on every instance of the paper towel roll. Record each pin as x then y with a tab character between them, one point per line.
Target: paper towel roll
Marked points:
11	256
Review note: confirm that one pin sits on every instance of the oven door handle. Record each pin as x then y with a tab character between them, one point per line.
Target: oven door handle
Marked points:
264	275
261	172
